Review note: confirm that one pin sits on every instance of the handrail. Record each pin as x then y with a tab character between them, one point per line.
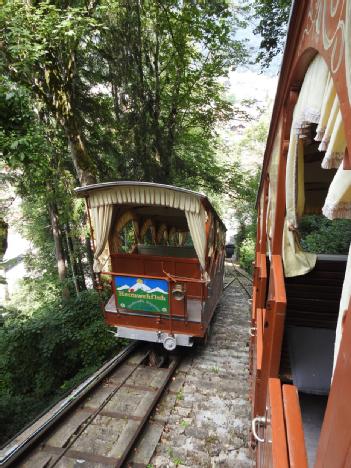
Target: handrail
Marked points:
175	278
294	428
259	342
114	273
278	279
279	442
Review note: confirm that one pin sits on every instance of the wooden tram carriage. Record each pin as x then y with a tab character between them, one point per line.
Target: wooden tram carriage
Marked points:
167	269
301	312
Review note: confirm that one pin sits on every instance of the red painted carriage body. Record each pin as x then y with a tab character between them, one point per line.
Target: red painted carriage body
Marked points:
193	274
307	301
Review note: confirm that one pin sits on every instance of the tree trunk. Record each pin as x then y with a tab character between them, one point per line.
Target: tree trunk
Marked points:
73	261
60	258
83	163
90	260
70	264
81	277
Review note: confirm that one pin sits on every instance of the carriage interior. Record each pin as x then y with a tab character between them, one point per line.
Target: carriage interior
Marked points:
312	310
316	235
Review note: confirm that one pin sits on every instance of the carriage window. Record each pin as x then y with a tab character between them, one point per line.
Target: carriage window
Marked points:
317	233
148	237
188	240
173	237
162	235
127	238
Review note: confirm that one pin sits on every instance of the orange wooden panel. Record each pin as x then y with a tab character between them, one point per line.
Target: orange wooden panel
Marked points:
190	270
273	329
278	316
279	444
178	308
294	428
154	266
334	449
259	338
263	374
254	305
262	282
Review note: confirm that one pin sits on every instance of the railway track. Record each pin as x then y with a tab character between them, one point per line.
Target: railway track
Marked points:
99	425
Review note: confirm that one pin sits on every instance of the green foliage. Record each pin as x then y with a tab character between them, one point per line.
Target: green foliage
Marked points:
272	16
247	253
43	356
105	90
323	236
243	183
165	86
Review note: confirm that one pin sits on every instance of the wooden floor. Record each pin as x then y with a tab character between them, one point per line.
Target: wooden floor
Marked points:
312	410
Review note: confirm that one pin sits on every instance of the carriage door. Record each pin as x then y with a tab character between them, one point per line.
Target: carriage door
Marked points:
259	296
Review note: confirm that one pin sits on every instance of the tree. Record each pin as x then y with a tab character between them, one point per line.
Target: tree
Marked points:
324	236
272	16
242	186
143	110
39	47
164	80
34	150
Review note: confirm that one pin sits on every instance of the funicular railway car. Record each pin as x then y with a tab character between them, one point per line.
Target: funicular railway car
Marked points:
301	314
163	249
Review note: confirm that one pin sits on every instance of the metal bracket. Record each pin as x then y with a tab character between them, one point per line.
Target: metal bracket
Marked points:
258	421
253	331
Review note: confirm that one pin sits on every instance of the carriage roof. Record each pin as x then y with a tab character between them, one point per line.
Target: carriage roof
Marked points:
112	187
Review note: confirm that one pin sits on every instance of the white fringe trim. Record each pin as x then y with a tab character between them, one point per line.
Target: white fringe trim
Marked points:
333	161
339	210
306	118
320	134
324	144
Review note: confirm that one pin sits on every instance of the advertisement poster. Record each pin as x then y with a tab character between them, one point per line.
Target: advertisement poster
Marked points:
149	295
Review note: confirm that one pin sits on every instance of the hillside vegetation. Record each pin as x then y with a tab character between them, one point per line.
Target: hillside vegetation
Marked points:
92	92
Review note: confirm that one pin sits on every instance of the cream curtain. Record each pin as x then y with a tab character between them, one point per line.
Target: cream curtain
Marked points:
337	146
138	194
148	224
172	235
101	218
330	129
272	192
196	224
327	104
307	111
162	234
181	238
331	134
102	201
338	201
344	304
309	103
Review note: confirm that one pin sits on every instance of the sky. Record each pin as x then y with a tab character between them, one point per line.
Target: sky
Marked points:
248	83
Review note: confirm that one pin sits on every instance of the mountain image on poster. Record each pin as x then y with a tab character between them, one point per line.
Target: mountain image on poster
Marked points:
143	294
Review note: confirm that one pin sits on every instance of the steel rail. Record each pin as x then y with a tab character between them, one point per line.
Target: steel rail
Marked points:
15	448
95	413
236	278
168	374
117	461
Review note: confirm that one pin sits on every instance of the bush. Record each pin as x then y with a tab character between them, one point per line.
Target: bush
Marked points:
45	355
323	236
247	254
